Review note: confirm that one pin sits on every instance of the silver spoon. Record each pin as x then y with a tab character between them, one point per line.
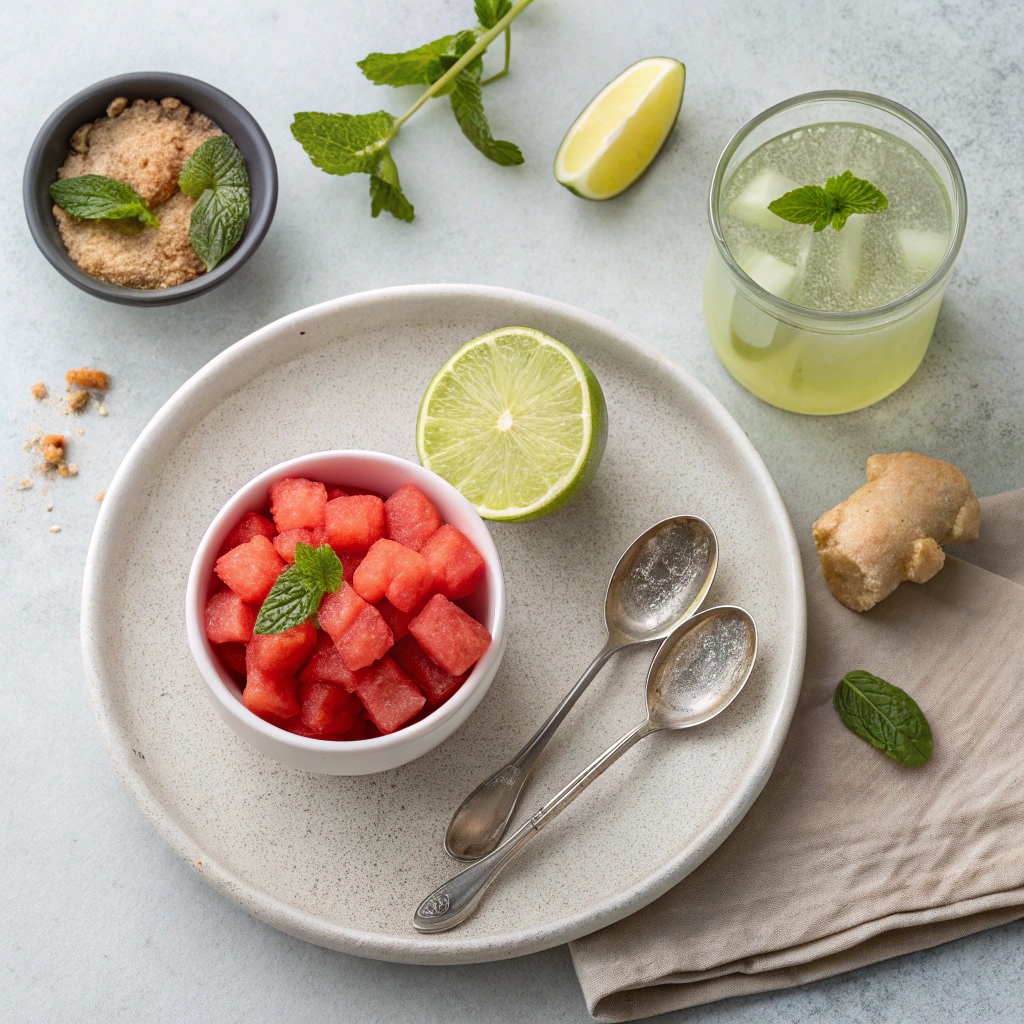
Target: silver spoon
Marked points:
660	581
697	673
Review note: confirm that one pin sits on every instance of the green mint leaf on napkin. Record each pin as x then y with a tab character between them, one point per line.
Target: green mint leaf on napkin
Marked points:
490	12
95	197
297	592
885	716
421	66
215	176
842	196
386	192
343	143
468	108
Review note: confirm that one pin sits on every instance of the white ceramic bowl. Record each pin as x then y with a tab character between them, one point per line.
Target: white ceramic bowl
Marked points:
382	474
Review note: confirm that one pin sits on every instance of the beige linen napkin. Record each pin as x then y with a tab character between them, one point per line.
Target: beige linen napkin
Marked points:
847	858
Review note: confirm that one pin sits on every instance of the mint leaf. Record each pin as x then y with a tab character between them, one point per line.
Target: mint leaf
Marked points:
421	66
490	12
94	197
386	192
320	567
842	196
215	176
885	716
290	602
343	143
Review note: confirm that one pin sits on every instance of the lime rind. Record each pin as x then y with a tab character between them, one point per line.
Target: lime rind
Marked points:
553	436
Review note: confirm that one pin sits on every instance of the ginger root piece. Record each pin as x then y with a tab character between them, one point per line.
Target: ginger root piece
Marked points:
893	528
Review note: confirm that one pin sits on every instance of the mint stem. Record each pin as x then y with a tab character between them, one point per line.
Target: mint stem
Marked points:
508	56
467	58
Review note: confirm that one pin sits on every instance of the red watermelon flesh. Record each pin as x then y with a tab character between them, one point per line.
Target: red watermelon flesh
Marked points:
228	619
250	569
285	543
366	640
450	637
455	564
411	516
327	710
282	654
349	564
391	569
364	729
339	610
297	503
437	684
233	655
354	523
326	666
390	697
252	524
269	695
398	621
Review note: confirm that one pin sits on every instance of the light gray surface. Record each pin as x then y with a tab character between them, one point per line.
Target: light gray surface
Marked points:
100	921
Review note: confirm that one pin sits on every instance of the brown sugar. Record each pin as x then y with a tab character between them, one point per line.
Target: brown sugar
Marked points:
52	446
77	401
145	145
86	377
39	391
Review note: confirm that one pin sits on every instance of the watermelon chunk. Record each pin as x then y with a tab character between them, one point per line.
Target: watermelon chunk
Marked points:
250	569
390	697
364	729
349	564
296	503
398	621
269	695
327	710
252	524
359	633
391	569
450	637
233	655
326	666
228	619
339	610
354	523
456	565
284	543
411	516
281	654
437	684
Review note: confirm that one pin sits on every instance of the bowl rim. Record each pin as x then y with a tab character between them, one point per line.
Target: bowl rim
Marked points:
142	84
214	676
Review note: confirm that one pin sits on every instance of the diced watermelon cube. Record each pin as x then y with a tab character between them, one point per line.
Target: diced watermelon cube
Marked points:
437	684
349	564
269	695
334	492
354	523
228	619
252	524
327	710
233	655
390	697
281	654
285	542
295	725
297	503
455	563
391	569
411	517
250	569
398	621
326	666
450	637
366	640
339	610
364	729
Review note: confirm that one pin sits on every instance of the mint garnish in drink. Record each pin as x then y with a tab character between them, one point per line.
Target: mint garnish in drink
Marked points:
885	716
94	197
842	196
215	176
297	592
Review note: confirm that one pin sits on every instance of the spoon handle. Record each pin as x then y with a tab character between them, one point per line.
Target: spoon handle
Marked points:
477	826
458	898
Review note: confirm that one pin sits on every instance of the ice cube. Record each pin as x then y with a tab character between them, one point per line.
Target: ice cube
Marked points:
923	251
851	250
751	205
771	273
751	324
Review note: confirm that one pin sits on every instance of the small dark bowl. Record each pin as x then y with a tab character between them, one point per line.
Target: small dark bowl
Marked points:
53	143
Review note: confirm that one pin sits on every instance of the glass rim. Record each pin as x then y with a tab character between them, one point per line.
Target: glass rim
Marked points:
853	316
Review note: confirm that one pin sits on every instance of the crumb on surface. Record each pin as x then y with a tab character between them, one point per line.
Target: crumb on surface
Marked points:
80	432
101	495
52	446
54	529
25	484
102	409
87	377
39	391
77	400
67	469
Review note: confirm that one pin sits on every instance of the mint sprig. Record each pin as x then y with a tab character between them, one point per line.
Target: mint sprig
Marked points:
885	716
450	65
94	197
216	177
298	591
842	196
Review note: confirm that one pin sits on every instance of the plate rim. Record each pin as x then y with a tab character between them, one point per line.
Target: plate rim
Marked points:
420	949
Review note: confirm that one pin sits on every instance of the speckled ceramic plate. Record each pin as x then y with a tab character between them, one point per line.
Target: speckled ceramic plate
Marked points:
343	862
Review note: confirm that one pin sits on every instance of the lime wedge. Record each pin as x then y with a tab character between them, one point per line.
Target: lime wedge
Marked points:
620	133
516	421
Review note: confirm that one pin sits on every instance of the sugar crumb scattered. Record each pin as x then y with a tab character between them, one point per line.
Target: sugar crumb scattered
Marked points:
80	432
77	401
39	391
52	447
86	377
25	485
102	409
54	529
101	495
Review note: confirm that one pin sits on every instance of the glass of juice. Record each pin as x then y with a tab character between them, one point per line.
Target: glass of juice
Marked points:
830	321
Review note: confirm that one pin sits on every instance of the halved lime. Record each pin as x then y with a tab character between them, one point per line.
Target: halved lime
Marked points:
622	130
516	421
